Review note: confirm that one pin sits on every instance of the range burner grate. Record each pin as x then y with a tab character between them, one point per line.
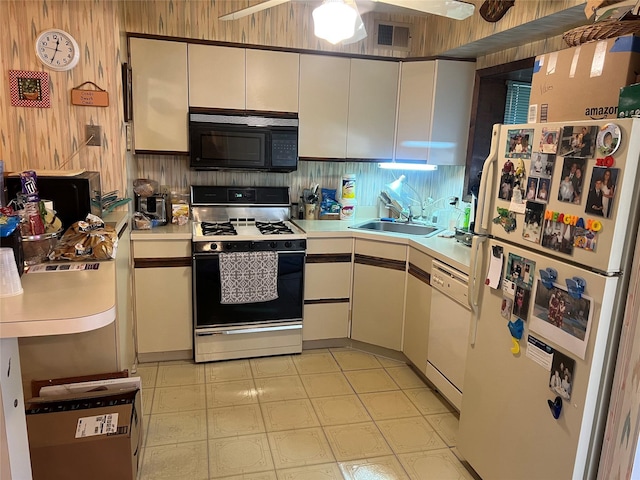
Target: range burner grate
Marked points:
273	228
218	228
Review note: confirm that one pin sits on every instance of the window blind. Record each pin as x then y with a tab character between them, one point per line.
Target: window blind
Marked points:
517	104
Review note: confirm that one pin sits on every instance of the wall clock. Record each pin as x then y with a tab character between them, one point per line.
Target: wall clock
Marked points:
57	50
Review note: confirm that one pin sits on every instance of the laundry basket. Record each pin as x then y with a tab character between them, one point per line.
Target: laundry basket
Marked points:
601	31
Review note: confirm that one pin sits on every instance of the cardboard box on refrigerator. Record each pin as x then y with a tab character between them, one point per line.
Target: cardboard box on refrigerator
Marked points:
583	83
92	435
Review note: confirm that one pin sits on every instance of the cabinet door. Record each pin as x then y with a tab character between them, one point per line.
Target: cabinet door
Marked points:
416	320
415	110
324	106
378	301
452	111
327	280
325	320
163	309
216	77
272	80
373	94
160	95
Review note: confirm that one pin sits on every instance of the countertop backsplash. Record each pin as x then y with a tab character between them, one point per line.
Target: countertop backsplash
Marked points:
370	180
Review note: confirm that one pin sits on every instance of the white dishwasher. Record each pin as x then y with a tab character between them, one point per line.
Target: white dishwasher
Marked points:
448	331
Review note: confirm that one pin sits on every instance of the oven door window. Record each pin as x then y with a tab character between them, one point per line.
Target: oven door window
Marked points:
208	311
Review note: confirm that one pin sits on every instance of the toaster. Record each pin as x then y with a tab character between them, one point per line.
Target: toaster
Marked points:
154	207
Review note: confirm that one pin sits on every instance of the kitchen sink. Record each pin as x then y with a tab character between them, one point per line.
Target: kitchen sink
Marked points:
394	227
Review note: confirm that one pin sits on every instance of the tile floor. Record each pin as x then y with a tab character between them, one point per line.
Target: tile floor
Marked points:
324	414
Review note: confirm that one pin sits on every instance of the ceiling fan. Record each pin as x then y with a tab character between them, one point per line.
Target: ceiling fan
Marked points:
340	21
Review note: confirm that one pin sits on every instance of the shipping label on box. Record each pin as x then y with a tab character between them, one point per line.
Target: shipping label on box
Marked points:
98	425
583	83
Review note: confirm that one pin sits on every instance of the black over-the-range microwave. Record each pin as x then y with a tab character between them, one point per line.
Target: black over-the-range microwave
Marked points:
243	142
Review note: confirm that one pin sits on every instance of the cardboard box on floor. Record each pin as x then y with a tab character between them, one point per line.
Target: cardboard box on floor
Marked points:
92	435
583	83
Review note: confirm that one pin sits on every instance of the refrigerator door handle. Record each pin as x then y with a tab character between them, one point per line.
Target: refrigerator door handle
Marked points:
474	284
482	216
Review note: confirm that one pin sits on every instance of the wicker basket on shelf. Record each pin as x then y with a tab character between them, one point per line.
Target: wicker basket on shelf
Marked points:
601	31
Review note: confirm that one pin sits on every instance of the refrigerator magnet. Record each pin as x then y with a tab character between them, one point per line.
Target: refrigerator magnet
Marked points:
505	308
549	140
507	219
533	217
521	303
562	374
507	181
519	143
585	239
573	172
542	165
494	274
602	190
558	236
608	139
520	270
542	193
578	141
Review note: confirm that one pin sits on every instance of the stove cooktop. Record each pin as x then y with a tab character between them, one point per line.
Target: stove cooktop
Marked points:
250	230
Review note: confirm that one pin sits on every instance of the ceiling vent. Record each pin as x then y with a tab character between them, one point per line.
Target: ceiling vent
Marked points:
392	35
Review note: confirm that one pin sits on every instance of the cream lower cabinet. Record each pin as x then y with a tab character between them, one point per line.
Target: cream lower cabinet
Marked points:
378	293
417	309
327	289
163	311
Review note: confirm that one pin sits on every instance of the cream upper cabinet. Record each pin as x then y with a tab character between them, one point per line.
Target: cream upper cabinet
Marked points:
373	94
160	95
324	106
217	77
434	110
272	80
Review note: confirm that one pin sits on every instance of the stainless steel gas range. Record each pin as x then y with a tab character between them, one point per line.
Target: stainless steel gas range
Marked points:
248	273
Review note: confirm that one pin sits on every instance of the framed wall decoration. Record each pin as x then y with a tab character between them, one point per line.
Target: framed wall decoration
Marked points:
29	89
127	94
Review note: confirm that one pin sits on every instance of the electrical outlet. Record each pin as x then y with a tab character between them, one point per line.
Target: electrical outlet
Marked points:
93	135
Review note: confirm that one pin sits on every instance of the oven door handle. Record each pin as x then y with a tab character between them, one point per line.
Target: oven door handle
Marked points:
250	330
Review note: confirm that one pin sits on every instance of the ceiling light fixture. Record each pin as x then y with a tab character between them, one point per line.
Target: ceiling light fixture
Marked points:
408	166
334	21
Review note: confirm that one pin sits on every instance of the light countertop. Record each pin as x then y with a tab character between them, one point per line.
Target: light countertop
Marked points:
446	250
165	232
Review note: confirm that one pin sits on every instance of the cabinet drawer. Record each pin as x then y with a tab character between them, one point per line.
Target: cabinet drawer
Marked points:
381	250
325	320
327	280
329	245
162	249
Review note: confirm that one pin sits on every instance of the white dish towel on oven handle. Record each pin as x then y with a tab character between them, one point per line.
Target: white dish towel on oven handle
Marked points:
248	277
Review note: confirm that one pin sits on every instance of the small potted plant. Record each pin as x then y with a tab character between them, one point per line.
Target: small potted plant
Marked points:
30	88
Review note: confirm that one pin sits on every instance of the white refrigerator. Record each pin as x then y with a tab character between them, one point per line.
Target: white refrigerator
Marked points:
557	220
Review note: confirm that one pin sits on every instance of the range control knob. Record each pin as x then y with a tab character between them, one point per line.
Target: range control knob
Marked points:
229	246
287	244
273	244
213	246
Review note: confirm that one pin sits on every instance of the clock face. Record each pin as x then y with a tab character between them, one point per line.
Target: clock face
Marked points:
57	50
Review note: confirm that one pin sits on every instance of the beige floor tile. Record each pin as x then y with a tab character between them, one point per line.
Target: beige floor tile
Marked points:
147	400
376	380
227	371
179	427
289	415
354	360
147	374
405	377
388	405
380	468
313	351
254	476
297	448
178	399
359	440
272	366
326	384
318	363
413	434
440	464
177	375
390	362
446	424
234	421
239	455
274	389
340	410
326	471
184	461
226	394
428	401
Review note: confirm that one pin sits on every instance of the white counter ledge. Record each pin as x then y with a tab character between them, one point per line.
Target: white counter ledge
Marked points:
165	232
447	250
